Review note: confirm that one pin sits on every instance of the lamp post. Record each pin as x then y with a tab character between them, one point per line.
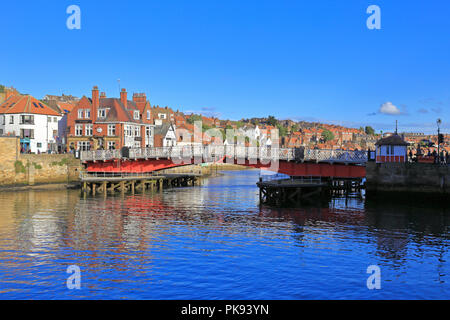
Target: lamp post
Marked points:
438	122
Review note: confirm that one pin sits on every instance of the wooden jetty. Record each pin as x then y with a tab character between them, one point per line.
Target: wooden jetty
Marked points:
277	191
104	183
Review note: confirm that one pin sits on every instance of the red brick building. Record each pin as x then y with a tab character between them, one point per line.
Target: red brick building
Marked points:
110	123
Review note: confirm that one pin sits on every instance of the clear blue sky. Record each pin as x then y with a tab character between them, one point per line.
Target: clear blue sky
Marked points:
312	60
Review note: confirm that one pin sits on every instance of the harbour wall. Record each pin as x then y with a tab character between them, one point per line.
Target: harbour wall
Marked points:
431	179
18	169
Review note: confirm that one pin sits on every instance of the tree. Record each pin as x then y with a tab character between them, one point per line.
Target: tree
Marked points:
2	88
327	135
369	130
193	118
239	124
271	120
294	128
282	131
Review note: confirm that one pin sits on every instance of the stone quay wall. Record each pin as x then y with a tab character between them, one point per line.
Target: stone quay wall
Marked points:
30	169
408	177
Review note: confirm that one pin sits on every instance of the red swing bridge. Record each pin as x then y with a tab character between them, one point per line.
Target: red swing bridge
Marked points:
122	169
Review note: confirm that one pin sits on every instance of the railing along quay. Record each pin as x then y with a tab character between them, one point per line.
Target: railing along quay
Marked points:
214	153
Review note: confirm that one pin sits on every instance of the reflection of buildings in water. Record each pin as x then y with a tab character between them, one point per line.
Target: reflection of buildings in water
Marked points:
396	225
33	221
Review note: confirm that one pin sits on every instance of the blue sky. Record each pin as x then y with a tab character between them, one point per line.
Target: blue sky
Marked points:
310	60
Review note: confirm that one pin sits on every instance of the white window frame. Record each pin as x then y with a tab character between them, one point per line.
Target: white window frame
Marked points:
80	113
111	130
102	113
136	114
88	130
149	115
87	113
78	130
111	144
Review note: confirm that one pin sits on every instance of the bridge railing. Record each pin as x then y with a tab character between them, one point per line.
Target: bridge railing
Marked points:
217	152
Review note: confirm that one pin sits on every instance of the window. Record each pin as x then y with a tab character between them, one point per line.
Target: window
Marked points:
49	119
3	120
1	131
102	113
80	113
88	130
84	145
148	115
111	145
111	130
137	131
148	131
39	144
11	120
128	131
26	119
162	116
136	114
55	119
392	150
26	134
78	130
55	133
87	113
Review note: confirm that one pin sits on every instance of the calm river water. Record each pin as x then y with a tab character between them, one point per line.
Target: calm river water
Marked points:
215	242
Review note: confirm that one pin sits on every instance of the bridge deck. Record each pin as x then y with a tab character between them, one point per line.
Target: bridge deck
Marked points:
215	153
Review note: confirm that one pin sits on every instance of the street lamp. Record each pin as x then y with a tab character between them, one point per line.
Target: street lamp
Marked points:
438	122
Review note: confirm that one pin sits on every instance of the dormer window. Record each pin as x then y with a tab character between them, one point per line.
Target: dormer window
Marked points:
148	115
102	113
136	115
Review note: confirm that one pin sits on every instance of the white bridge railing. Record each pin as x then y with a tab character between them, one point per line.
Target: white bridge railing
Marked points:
215	152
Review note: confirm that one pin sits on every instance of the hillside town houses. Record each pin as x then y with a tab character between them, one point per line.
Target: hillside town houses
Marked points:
68	124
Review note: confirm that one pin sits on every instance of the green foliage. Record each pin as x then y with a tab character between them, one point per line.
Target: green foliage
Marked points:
19	167
294	128
369	130
282	131
205	127
239	124
327	135
37	166
2	88
60	163
193	118
271	120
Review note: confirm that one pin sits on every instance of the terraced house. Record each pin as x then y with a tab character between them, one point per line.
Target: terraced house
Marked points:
99	122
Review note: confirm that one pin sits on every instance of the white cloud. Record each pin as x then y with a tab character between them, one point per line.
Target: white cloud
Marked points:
389	108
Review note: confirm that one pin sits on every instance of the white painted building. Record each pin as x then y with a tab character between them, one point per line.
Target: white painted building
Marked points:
33	121
391	149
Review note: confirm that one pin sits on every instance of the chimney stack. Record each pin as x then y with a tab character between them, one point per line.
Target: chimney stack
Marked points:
123	97
95	103
141	100
102	95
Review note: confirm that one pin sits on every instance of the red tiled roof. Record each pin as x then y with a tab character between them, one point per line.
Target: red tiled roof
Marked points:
26	104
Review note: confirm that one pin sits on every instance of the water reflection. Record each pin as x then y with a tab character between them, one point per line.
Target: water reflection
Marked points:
215	241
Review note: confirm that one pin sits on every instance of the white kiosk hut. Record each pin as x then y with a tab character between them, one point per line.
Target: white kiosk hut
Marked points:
391	149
